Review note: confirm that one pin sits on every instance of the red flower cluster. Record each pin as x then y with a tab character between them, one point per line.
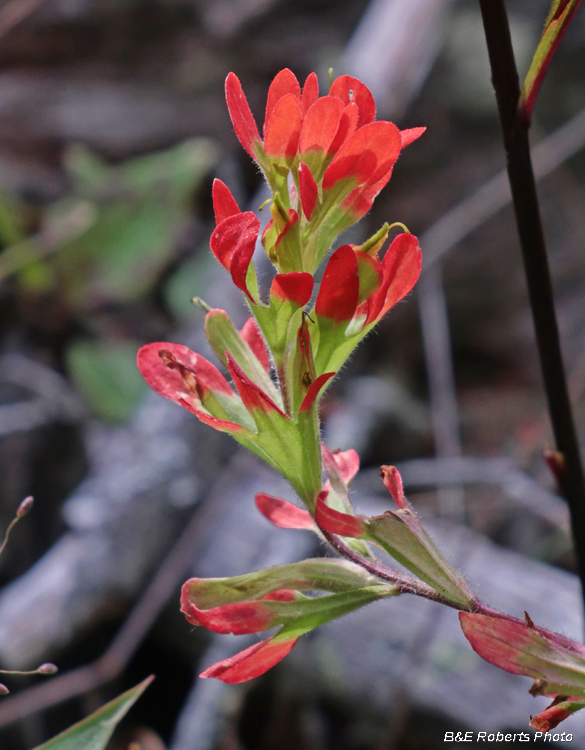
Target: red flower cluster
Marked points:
325	159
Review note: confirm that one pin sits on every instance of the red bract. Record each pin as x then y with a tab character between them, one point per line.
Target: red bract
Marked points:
345	463
366	157
308	190
401	268
252	662
188	379
340	125
314	390
252	336
339	291
283	514
233	243
224	203
253	397
295	287
336	522
352	90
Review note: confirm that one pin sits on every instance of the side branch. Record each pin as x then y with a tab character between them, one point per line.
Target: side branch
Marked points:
522	183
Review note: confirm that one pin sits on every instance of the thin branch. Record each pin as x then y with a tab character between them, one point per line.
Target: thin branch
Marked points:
406	584
522	183
125	643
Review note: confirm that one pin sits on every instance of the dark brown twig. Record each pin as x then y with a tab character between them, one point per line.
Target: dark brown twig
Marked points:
522	183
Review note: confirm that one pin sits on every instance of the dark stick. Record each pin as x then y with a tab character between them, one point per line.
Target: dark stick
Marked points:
515	132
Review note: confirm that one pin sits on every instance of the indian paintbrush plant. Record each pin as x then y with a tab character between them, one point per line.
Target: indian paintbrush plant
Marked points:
325	159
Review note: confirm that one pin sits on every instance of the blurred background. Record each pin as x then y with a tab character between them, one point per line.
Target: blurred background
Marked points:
112	128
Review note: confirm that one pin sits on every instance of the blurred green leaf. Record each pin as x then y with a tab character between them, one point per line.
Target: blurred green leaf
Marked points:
94	732
141	205
106	374
10	226
187	282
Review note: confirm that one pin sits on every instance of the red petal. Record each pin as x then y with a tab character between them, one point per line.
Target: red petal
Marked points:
241	115
314	390
393	483
347	127
310	93
321	124
401	266
283	129
409	136
283	514
252	336
347	463
283	83
296	286
335	522
338	294
308	190
238	618
253	397
366	156
350	89
224	203
233	243
252	662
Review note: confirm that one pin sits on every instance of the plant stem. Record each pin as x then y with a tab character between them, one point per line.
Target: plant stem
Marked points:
404	583
522	183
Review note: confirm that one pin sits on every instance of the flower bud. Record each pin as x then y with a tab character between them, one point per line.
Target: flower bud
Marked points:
25	506
47	669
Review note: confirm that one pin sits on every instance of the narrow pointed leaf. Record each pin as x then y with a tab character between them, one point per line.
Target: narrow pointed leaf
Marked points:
557	23
94	732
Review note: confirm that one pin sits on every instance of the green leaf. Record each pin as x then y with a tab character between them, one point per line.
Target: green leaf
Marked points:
337	576
105	373
558	20
402	536
94	732
223	336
